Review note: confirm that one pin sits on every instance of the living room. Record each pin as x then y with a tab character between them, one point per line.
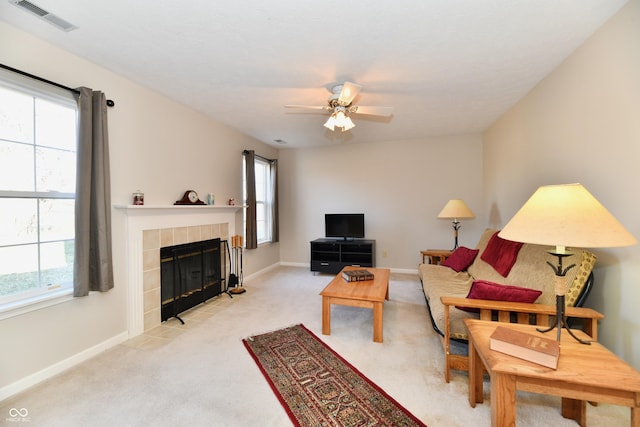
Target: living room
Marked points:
579	124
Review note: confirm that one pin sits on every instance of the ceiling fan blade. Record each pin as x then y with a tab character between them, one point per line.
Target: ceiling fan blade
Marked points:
309	107
372	111
348	93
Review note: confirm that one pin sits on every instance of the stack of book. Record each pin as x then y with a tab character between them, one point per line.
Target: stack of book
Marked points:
357	275
534	348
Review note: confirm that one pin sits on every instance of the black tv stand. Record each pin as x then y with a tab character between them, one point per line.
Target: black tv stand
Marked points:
330	255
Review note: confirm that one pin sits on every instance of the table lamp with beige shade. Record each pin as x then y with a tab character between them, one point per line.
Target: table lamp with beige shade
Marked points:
563	216
456	209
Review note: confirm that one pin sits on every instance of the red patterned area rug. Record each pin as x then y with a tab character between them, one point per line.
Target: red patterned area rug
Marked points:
317	387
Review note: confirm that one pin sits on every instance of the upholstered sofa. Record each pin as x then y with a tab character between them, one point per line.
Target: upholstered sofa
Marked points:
523	290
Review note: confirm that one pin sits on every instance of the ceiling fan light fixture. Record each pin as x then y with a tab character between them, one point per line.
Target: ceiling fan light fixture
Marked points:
340	105
339	118
348	124
330	123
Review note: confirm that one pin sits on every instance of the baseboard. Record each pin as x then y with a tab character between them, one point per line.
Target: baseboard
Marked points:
306	265
260	272
404	271
57	368
295	264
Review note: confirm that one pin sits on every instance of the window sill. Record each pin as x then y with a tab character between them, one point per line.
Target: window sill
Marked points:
38	302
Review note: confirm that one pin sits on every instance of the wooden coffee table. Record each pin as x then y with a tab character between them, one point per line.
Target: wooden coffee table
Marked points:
367	294
585	373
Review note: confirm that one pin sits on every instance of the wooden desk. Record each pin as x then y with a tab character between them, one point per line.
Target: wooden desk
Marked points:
367	294
436	256
585	373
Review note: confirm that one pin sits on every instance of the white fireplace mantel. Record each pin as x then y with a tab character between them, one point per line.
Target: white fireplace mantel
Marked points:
149	217
159	208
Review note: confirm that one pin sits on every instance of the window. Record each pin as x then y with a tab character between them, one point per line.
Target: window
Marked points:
264	198
37	192
263	201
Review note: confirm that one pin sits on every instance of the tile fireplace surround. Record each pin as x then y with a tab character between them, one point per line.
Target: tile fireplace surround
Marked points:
148	228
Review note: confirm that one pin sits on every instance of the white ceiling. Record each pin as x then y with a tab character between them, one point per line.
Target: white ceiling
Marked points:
446	66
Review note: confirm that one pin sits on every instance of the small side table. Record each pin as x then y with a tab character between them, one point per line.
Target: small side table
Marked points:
436	256
584	373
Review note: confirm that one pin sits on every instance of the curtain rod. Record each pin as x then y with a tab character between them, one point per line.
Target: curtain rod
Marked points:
110	103
258	156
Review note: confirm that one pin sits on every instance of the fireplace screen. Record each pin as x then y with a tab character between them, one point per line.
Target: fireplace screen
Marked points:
190	274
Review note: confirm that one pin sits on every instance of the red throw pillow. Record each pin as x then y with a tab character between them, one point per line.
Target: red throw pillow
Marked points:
461	258
501	254
482	289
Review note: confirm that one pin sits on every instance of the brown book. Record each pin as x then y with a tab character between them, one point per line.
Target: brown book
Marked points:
357	275
534	348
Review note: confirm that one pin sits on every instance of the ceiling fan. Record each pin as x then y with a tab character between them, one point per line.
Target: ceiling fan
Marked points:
340	105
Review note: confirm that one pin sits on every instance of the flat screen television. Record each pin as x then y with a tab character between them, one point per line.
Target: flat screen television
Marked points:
344	226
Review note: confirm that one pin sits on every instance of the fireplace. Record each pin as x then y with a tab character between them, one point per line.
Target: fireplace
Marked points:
190	274
150	228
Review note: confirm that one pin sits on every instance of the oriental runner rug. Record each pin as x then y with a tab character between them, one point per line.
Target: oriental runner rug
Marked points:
317	387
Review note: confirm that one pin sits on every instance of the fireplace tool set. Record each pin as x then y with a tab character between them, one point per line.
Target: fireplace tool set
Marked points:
235	261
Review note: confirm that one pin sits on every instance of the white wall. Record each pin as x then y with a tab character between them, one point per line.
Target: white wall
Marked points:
158	146
400	186
582	124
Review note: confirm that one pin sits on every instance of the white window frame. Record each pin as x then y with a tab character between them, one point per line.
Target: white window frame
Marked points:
23	302
264	227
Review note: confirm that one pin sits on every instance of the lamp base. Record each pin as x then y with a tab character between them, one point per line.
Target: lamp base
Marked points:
560	285
456	226
561	322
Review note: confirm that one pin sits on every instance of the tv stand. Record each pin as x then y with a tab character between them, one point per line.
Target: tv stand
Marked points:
332	255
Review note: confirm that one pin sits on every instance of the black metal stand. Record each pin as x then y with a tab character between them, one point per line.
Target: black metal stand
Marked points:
236	275
561	318
226	282
456	226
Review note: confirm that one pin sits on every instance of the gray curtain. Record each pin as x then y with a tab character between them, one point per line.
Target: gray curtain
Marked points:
251	232
93	267
275	228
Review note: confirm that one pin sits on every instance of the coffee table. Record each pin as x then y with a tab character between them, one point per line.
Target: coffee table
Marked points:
585	373
366	294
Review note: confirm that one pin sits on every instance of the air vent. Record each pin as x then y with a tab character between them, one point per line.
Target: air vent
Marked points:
43	14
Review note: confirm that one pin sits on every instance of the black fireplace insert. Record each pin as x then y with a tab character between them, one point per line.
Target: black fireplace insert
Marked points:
191	273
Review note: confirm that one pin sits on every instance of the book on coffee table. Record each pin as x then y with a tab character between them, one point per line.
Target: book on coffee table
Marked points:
357	275
534	348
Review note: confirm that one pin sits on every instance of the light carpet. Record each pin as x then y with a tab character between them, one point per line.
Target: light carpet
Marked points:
202	376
